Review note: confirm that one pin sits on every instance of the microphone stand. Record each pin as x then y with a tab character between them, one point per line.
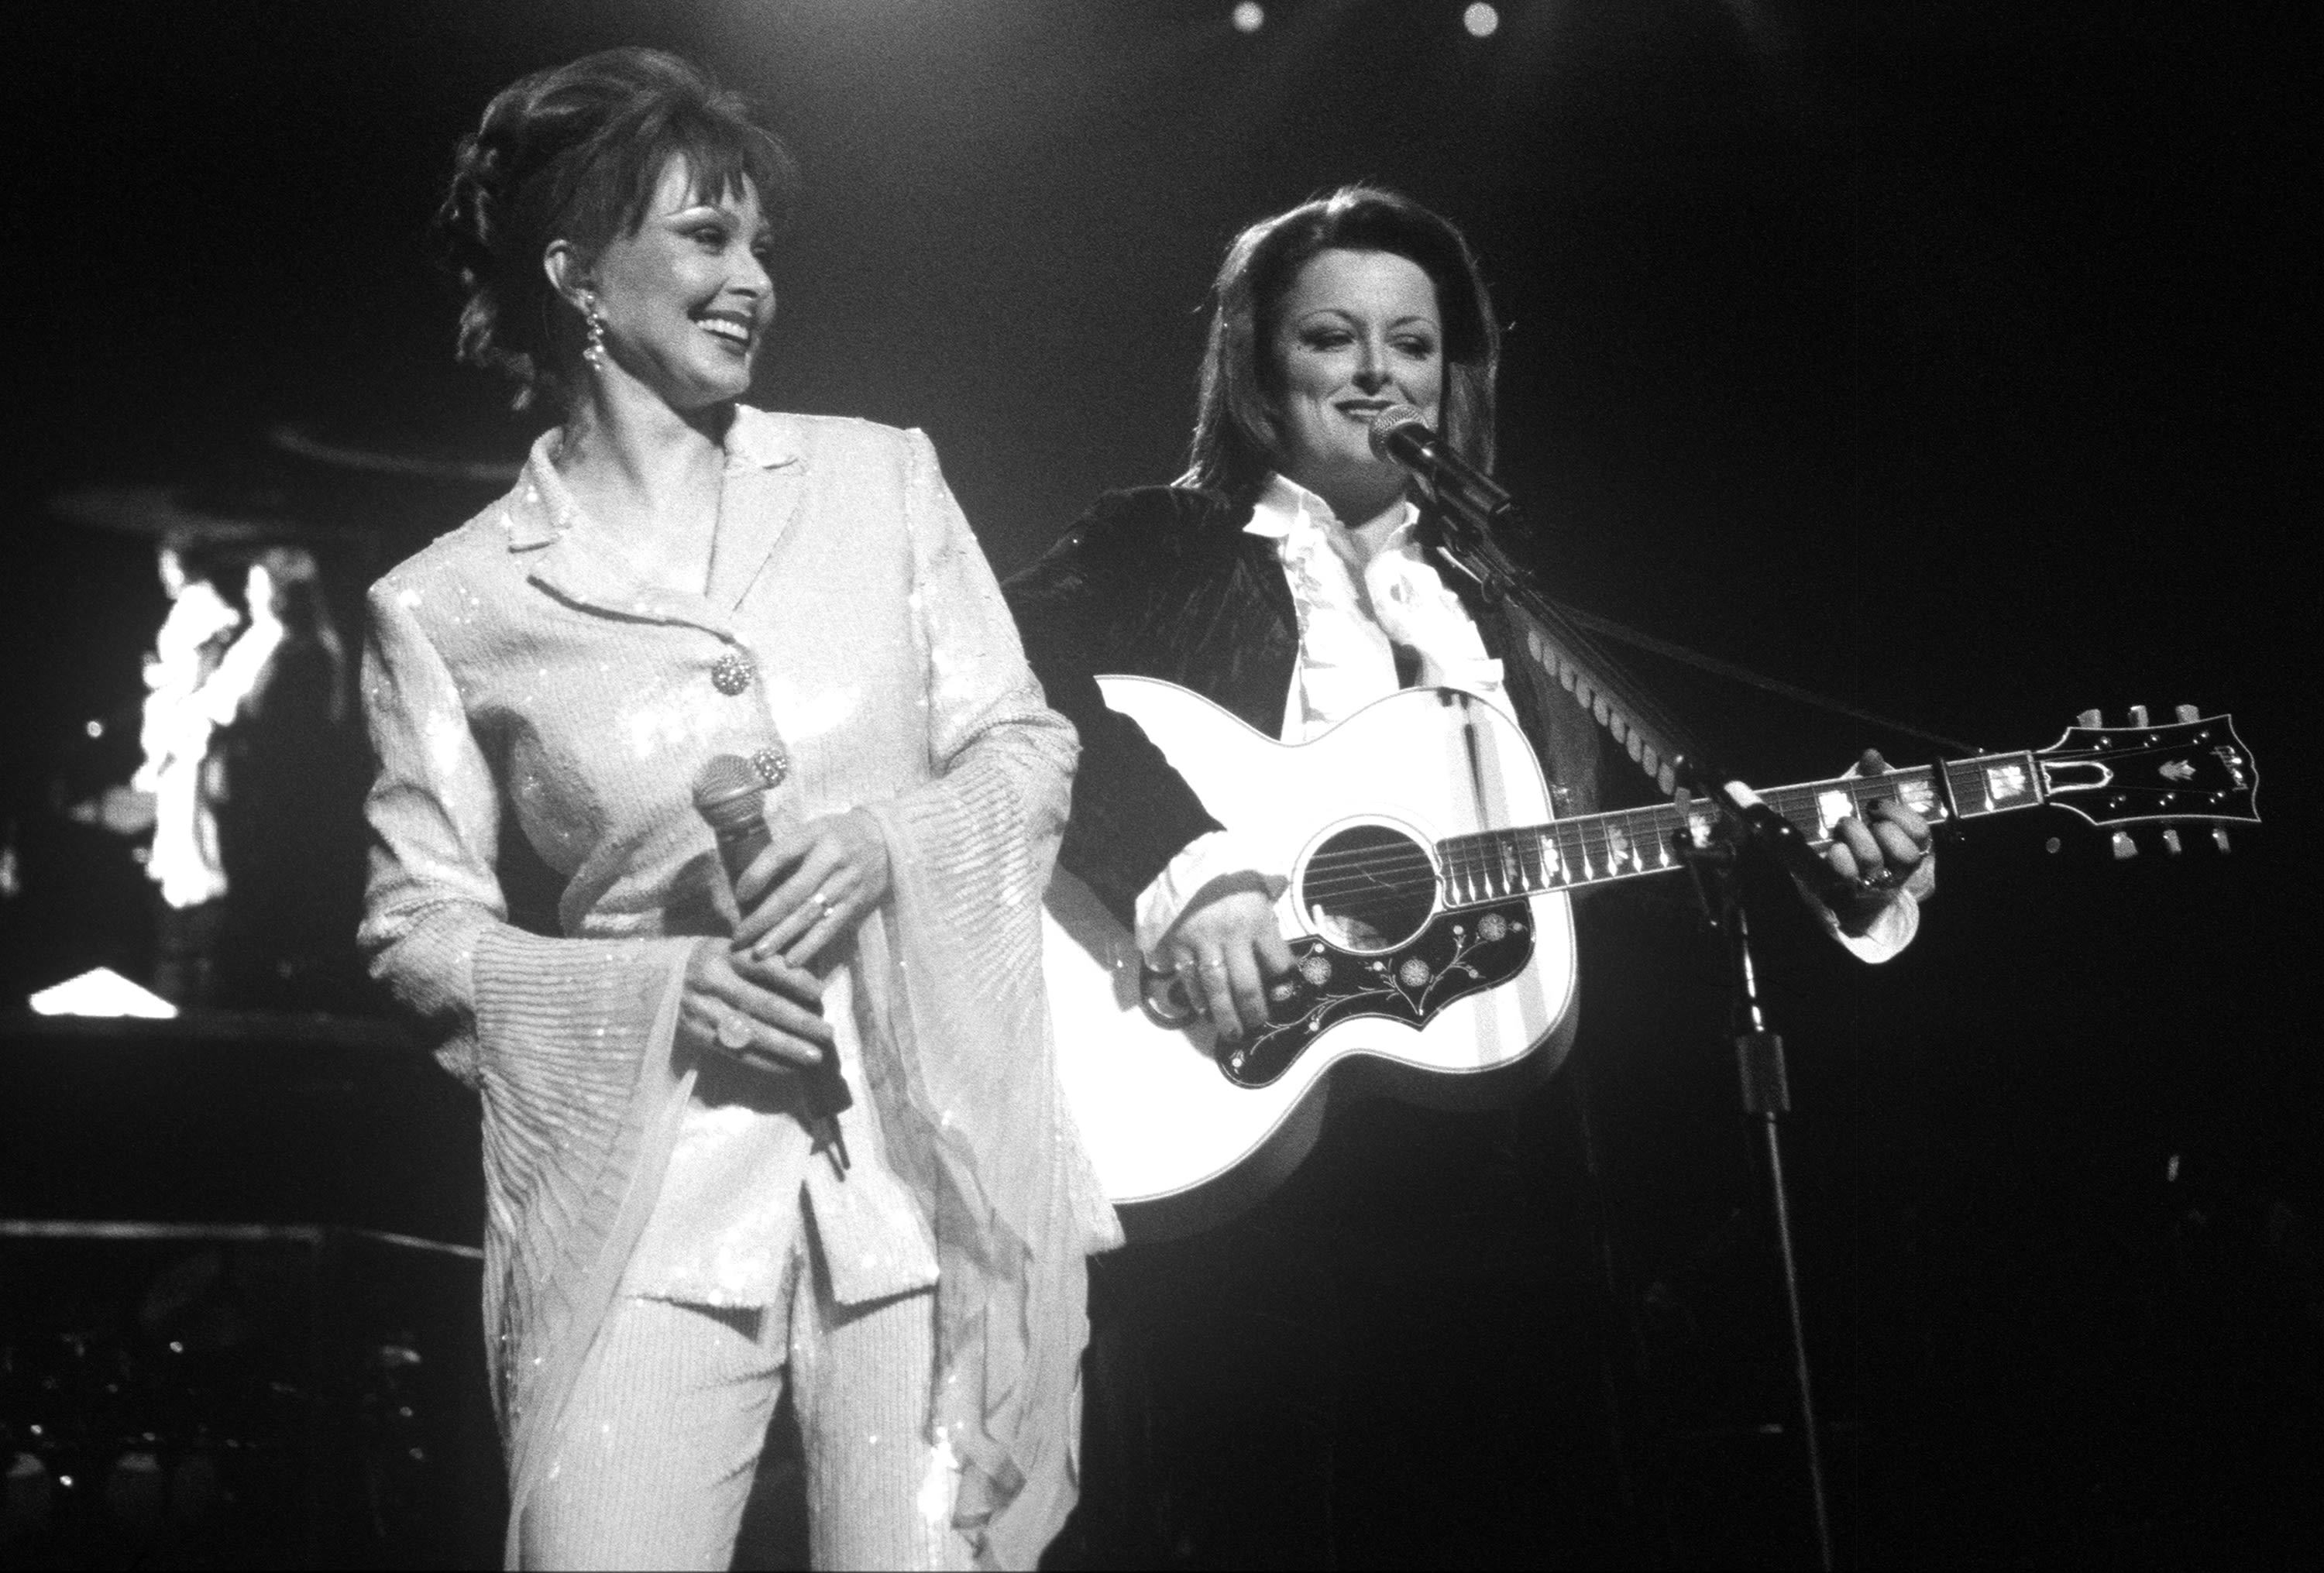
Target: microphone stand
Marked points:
1765	1094
1470	519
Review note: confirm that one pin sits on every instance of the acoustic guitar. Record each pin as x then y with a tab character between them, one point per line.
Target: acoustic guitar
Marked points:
1429	917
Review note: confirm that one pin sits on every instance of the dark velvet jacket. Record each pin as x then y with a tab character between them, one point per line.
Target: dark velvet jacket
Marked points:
1163	581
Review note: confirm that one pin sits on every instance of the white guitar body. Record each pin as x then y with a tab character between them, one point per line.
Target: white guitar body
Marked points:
1178	1142
1430	922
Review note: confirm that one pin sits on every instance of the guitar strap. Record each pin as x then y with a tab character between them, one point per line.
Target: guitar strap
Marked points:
1607	694
1557	640
1564	658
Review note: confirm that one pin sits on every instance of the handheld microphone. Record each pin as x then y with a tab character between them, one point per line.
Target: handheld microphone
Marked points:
1400	433
727	793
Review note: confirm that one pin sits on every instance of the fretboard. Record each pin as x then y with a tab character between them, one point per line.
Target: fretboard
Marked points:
1496	864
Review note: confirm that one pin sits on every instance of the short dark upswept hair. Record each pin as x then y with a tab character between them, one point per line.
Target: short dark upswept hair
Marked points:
1236	435
575	153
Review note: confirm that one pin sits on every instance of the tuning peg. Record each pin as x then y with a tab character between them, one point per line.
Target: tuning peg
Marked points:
2138	715
2087	718
2171	842
2124	847
2219	837
2187	713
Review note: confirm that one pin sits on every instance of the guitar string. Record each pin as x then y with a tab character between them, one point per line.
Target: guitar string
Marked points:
1487	860
1575	853
1615	835
1609	833
1612	842
1610	846
1599	831
1479	865
1471	876
1487	855
1484	857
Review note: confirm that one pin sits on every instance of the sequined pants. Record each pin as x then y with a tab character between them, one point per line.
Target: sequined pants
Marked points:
663	1435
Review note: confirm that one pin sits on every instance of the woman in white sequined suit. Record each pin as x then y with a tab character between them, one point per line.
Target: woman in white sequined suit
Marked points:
676	575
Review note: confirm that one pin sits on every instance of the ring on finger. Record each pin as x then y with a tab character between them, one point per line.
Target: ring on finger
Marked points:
1882	879
822	906
734	1032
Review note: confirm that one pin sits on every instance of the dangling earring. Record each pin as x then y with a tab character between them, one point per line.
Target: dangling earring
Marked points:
595	351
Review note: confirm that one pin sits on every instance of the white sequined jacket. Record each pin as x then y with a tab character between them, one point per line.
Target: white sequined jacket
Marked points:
520	681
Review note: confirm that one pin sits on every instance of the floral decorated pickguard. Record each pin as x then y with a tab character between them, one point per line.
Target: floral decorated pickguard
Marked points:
1456	954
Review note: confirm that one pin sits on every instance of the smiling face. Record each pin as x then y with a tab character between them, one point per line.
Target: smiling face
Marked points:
1355	333
686	297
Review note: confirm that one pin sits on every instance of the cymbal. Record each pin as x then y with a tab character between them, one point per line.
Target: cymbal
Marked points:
168	514
382	461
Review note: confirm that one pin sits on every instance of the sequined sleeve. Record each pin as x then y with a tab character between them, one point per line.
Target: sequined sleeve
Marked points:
435	925
566	1040
1015	1203
986	713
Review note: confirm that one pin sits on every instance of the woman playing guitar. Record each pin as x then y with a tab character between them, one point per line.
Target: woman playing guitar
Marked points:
1288	577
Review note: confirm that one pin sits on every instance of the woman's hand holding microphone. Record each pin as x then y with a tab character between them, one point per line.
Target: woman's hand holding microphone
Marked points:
753	999
811	886
765	1014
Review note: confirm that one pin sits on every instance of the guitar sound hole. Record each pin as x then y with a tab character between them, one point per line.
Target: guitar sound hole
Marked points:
1368	888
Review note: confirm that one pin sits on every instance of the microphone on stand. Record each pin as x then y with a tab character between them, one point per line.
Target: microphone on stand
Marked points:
1781	837
728	794
1400	433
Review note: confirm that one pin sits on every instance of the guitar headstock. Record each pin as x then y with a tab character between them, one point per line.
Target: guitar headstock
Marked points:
2193	770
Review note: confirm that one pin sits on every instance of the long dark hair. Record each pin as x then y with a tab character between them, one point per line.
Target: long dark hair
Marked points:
574	153
1236	437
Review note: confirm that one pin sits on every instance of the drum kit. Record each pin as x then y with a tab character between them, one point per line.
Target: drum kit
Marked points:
177	1400
307	487
195	1396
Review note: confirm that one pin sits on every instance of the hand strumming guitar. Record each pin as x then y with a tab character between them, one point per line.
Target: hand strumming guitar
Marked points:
1224	948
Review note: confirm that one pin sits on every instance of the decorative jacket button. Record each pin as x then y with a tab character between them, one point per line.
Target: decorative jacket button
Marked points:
771	764
733	672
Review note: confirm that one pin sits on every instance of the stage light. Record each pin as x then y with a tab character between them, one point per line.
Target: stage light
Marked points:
1248	16
1482	21
100	992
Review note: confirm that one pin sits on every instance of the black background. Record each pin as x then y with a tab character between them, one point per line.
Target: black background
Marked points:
1952	358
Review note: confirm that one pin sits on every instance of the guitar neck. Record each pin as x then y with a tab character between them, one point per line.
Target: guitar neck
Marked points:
1594	848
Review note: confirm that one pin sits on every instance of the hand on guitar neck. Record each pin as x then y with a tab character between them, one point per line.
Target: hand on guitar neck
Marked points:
1876	861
